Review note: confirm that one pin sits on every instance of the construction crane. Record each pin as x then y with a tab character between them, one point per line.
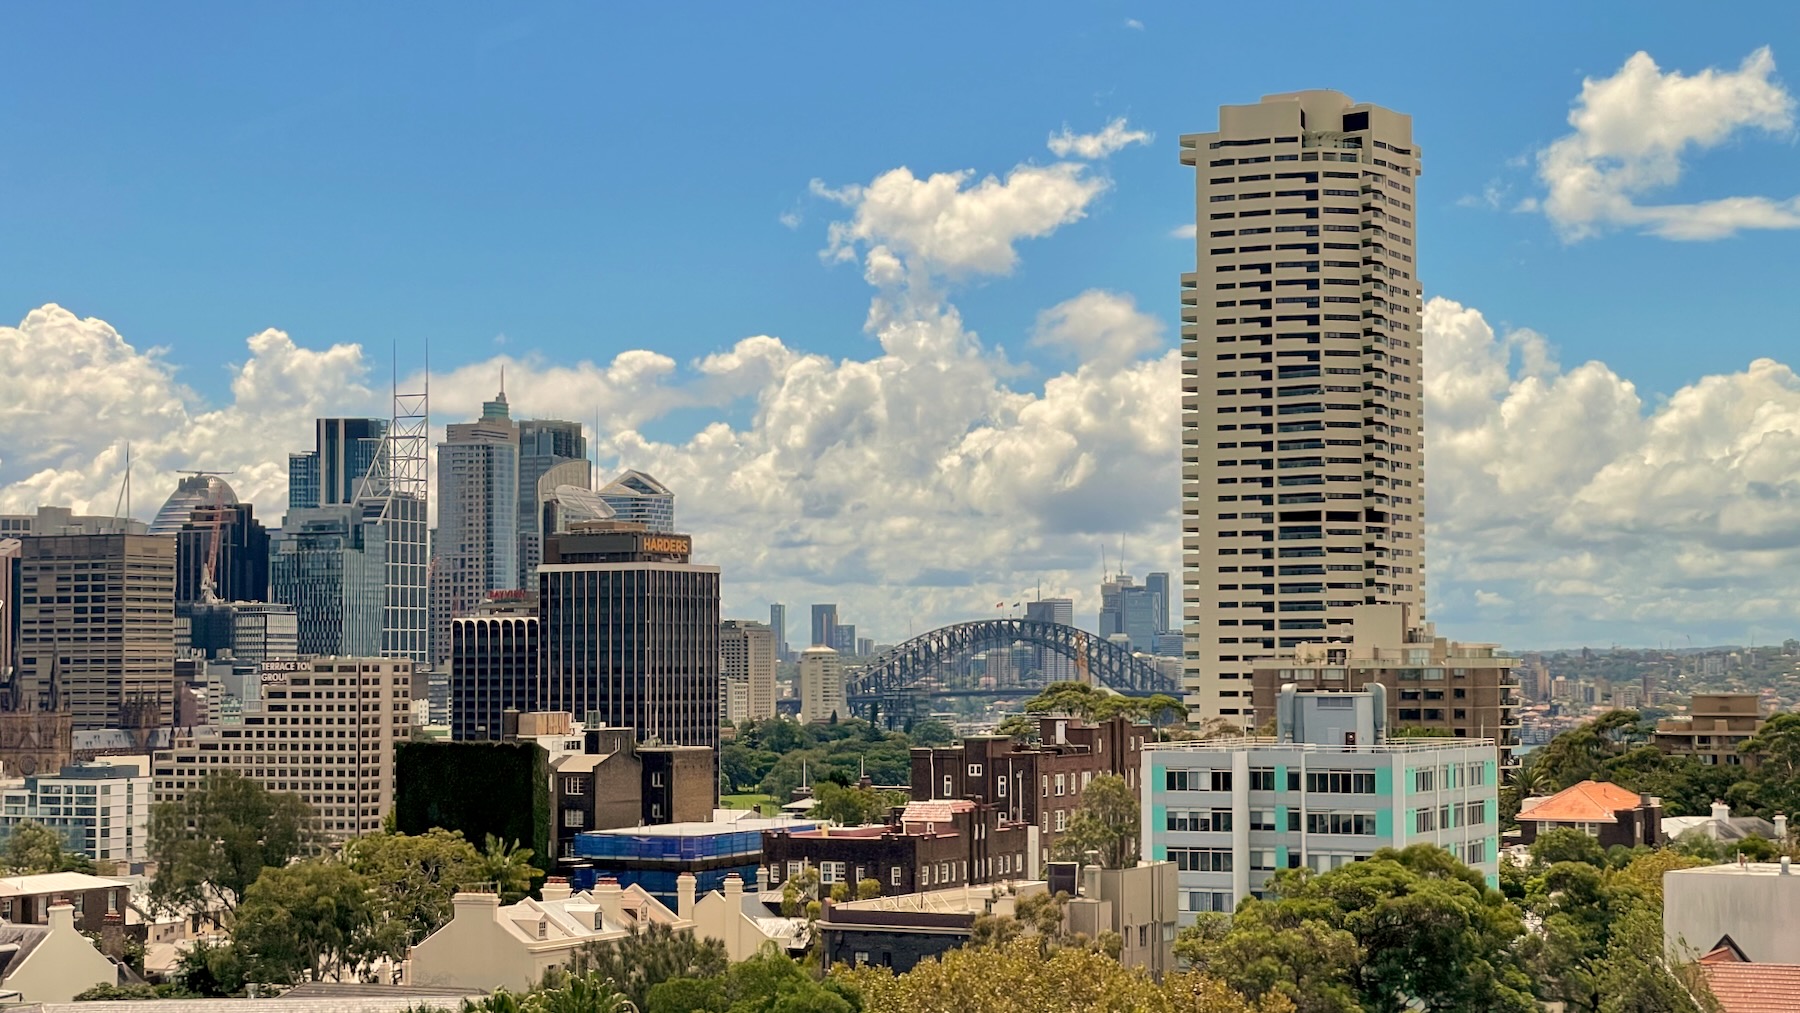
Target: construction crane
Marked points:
209	592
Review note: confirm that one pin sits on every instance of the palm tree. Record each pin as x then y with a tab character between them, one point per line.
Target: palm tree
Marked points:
508	867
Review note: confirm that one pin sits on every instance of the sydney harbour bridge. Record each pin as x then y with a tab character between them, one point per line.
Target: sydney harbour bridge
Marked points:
943	663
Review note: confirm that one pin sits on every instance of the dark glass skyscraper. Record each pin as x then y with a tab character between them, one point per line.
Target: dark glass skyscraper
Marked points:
543	444
630	633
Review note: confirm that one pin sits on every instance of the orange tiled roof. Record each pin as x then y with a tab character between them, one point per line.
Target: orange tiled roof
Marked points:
1587	802
1754	988
940	811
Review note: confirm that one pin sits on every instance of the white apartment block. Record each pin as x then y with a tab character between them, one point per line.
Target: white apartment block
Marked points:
747	670
1330	789
821	687
1302	446
101	809
326	733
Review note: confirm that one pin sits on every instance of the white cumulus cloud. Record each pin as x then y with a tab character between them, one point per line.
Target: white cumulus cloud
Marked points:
1066	143
1591	512
1632	133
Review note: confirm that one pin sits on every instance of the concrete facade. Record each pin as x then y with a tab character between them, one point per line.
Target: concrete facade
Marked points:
1231	812
747	653
1302	458
822	685
101	810
1463	690
1715	726
327	732
1757	904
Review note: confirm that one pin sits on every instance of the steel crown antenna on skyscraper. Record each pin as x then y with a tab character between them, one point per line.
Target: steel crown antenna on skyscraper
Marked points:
397	491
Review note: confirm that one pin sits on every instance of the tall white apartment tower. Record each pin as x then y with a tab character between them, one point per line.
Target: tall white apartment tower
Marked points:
1302	444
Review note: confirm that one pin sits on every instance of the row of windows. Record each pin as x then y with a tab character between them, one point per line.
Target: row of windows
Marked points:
1430	819
1337	782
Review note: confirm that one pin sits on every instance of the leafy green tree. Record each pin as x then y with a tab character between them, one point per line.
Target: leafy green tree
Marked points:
305	922
1566	844
214	842
33	848
868	889
581	992
1277	950
852	806
1022	727
415	878
932	732
211	971
766	983
1018	978
1105	822
798	890
649	956
507	866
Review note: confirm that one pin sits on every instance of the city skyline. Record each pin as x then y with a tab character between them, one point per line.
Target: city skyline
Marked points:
1026	391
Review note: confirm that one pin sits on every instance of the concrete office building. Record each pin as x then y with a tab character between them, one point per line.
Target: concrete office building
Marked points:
9	604
822	685
631	632
97	627
1329	789
545	445
778	623
635	496
101	809
50	520
824	626
476	549
326	732
747	666
1302	449
1463	690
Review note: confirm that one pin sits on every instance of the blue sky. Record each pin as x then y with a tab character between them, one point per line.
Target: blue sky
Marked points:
573	183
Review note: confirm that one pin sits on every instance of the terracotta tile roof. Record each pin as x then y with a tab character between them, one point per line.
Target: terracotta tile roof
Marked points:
1754	988
935	812
1587	802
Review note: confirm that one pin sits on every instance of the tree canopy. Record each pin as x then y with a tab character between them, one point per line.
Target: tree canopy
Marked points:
1105	823
306	922
215	841
32	848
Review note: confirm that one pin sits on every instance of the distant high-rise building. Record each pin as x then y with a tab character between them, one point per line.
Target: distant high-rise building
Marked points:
477	546
303	480
1158	586
9	606
844	641
747	666
824	625
778	624
631	632
352	559
545	444
98	661
496	665
1128	610
1303	448
635	496
822	685
328	563
1054	666
352	711
221	550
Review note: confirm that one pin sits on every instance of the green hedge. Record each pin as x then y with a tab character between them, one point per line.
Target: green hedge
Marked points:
479	788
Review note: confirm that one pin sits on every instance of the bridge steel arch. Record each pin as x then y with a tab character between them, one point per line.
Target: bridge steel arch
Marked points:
892	675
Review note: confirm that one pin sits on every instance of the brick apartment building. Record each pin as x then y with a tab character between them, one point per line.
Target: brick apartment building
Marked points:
1037	784
925	846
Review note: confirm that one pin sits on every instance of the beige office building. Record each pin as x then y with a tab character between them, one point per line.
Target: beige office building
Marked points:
1302	464
97	629
326	731
747	670
822	685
